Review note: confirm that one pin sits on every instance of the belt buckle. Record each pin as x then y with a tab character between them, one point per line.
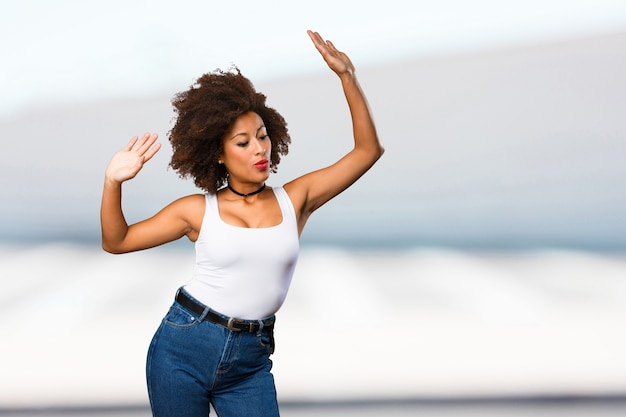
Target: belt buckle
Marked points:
230	326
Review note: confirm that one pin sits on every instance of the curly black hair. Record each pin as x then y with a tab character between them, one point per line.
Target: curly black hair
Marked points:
205	113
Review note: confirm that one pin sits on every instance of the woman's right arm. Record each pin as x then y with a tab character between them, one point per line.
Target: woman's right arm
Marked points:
169	224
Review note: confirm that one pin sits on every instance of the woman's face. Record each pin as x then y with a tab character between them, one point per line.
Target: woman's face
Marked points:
247	150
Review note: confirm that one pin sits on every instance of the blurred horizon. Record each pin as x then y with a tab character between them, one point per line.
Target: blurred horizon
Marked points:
521	325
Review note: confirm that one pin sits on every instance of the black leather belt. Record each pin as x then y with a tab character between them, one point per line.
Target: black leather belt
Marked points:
233	324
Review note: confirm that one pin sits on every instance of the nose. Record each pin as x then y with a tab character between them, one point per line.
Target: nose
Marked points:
260	147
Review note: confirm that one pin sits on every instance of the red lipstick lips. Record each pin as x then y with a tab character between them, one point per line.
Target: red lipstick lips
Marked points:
262	164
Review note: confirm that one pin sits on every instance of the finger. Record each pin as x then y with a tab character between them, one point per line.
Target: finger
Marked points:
143	140
317	39
314	35
130	144
148	155
147	141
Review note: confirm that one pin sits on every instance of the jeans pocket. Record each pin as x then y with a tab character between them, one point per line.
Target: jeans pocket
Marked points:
180	318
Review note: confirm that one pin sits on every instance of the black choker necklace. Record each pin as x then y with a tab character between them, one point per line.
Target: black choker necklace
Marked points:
249	194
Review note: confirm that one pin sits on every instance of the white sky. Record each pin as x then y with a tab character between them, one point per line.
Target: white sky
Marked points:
68	50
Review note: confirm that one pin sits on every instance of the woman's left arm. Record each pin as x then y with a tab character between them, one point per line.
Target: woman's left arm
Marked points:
316	188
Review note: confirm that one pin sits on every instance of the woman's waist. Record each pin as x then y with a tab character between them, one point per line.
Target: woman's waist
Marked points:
253	299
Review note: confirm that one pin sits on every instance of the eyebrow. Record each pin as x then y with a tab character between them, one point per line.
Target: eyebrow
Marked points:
245	133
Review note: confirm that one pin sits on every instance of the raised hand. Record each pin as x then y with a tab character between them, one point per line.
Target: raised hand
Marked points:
128	161
336	60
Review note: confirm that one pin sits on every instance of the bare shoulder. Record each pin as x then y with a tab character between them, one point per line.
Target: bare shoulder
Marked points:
296	191
307	191
191	205
191	209
192	199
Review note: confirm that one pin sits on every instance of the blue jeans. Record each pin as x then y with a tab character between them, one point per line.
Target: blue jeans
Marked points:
193	362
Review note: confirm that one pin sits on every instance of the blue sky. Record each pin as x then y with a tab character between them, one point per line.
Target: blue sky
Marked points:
71	50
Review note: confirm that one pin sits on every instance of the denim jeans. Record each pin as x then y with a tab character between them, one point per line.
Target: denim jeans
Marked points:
193	362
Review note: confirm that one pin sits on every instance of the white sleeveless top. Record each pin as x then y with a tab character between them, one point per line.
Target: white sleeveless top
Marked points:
245	272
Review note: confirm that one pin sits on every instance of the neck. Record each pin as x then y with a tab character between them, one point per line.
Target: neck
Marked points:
246	194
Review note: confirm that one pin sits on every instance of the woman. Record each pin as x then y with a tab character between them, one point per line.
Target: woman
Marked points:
214	344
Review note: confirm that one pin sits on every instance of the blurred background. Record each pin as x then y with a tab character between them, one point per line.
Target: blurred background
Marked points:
478	268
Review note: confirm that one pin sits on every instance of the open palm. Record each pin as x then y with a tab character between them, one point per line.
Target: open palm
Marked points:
336	60
128	161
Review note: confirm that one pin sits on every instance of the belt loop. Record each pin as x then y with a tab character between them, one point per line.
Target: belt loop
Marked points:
260	327
205	310
204	313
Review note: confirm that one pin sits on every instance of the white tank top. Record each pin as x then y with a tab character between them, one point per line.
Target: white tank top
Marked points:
245	272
